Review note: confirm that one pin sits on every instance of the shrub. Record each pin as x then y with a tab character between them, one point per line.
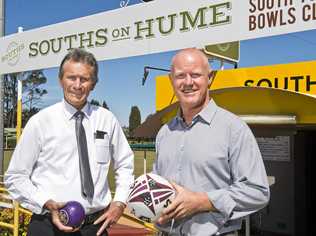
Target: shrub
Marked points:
6	215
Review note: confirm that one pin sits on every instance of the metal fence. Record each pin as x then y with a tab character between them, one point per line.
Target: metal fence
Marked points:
7	202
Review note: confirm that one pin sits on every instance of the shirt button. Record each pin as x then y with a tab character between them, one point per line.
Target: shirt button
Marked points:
181	147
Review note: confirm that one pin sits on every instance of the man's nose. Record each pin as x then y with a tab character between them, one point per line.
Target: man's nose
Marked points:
77	83
188	79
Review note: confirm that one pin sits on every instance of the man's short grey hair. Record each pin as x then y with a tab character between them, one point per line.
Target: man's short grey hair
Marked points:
185	51
82	56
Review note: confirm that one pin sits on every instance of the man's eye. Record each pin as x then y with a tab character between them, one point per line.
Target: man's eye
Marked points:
84	79
72	78
195	75
180	76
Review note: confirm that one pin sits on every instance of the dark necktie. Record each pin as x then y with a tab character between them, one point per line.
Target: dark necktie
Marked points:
87	187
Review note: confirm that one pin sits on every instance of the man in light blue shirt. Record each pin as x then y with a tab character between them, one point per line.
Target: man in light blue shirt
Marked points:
211	156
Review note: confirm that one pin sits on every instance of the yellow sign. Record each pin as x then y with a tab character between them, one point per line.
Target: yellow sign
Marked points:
298	77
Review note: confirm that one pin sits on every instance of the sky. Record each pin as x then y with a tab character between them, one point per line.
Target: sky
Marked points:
120	79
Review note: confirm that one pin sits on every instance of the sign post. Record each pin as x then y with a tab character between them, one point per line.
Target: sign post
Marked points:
1	91
19	103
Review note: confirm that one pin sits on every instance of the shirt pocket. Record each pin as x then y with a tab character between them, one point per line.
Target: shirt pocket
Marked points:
103	150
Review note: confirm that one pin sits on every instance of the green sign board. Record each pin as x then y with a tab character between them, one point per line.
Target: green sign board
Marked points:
226	51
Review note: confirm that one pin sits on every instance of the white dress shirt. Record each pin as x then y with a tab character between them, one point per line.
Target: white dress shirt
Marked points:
45	163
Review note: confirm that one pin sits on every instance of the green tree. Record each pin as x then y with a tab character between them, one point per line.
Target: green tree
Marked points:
32	94
95	102
10	83
134	119
105	105
32	91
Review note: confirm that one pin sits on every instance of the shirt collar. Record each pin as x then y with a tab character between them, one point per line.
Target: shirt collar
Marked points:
206	114
70	110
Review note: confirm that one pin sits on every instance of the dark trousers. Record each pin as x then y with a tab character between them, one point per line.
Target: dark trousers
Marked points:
41	225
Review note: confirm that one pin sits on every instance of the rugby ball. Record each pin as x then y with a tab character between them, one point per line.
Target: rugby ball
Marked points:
149	196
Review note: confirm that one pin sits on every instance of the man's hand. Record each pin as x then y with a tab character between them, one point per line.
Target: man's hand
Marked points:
110	216
186	203
54	207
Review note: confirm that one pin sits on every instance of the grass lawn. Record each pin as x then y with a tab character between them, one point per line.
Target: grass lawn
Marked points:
138	164
6	158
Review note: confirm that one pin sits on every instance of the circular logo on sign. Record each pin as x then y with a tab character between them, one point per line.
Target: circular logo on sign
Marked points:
13	53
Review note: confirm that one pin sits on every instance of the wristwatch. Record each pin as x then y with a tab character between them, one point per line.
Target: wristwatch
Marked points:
119	204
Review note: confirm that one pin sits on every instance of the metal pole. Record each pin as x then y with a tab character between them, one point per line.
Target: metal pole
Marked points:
145	161
222	64
19	103
15	218
19	109
1	90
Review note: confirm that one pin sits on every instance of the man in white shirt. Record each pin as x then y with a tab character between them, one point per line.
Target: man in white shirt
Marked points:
45	171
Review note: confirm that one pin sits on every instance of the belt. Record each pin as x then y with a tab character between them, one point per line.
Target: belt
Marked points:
89	219
232	233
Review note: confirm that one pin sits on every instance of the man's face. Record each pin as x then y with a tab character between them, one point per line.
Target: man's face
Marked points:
189	78
77	82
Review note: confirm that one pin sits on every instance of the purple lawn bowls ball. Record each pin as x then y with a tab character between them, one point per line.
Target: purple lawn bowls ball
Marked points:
72	214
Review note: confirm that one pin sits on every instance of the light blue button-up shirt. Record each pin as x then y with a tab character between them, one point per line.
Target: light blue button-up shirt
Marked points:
217	154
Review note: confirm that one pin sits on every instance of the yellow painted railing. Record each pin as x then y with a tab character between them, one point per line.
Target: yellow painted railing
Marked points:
7	202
